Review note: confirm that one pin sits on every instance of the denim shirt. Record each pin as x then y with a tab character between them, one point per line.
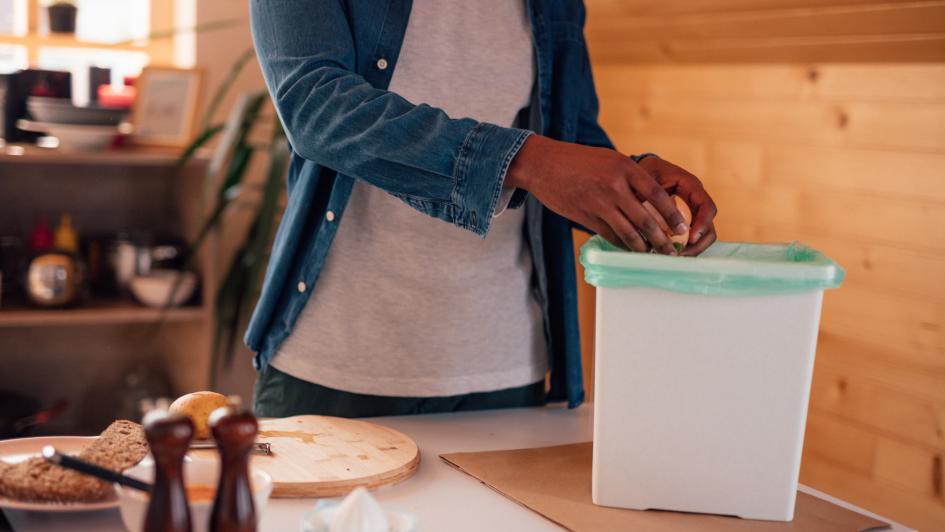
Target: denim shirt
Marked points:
327	65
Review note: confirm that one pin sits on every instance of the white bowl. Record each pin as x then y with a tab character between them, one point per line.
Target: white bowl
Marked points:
154	289
77	137
134	504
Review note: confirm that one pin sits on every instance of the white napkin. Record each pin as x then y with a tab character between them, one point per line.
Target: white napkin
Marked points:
359	512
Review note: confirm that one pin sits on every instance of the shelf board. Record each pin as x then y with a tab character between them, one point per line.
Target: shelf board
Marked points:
66	40
133	156
97	312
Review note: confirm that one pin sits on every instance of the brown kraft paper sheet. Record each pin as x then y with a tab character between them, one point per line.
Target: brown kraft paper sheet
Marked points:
556	483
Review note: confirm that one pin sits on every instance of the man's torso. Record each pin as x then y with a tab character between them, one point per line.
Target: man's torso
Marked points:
408	305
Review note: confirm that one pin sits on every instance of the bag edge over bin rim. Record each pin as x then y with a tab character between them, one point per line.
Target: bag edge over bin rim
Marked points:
803	269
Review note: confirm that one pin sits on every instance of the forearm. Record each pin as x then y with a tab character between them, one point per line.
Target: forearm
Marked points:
450	168
529	162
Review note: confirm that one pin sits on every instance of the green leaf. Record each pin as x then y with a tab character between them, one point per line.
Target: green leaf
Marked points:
226	314
234	134
238	166
204	137
225	86
239	154
242	151
229	187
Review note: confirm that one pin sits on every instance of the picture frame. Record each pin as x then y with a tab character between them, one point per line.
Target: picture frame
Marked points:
165	107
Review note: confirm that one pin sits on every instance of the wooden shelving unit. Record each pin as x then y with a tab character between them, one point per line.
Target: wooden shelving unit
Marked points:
87	353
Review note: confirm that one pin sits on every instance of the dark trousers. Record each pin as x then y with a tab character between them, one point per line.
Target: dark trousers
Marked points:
279	394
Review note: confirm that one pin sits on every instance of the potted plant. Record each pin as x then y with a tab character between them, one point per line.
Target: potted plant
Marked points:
62	15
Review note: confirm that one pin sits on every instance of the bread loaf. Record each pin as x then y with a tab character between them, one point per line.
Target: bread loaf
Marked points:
119	447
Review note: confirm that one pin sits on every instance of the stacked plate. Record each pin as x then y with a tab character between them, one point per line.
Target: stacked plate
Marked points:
81	128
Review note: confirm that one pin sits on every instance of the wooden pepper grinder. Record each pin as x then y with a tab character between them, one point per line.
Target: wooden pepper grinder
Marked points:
234	430
169	437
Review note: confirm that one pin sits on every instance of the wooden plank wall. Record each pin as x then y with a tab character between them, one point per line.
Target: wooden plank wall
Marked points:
846	156
646	31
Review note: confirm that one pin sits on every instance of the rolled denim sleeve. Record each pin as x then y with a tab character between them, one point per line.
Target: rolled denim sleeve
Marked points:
449	168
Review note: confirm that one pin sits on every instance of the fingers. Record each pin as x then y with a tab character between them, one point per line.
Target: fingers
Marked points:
648	186
702	244
624	233
657	216
604	230
647	225
629	204
704	214
689	188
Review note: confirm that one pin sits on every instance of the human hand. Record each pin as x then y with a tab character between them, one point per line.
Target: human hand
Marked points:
677	181
600	189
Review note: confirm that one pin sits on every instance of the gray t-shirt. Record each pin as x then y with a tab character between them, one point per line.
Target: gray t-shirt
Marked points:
411	306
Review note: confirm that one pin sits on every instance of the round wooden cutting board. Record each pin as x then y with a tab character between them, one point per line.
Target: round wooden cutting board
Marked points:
320	456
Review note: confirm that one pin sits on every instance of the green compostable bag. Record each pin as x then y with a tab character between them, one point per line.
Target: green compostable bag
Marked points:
725	269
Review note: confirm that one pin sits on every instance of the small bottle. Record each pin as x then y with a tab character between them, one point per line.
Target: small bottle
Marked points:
66	237
234	430
41	237
169	437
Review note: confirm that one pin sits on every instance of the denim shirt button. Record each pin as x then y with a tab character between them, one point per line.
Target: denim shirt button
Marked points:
301	287
330	216
382	64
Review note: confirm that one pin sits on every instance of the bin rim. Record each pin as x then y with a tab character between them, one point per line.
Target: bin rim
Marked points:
792	266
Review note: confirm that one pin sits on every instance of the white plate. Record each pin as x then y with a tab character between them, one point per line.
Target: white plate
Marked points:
19	449
76	136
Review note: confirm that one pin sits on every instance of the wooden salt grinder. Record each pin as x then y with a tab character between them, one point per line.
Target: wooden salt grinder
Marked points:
169	437
235	432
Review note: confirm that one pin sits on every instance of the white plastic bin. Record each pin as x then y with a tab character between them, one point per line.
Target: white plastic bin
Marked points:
702	376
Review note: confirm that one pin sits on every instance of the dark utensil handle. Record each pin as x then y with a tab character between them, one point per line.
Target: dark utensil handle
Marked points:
71	462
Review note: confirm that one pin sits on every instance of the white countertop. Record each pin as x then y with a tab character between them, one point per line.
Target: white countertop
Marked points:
441	497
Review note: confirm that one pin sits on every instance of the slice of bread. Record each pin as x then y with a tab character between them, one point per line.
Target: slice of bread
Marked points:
121	446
